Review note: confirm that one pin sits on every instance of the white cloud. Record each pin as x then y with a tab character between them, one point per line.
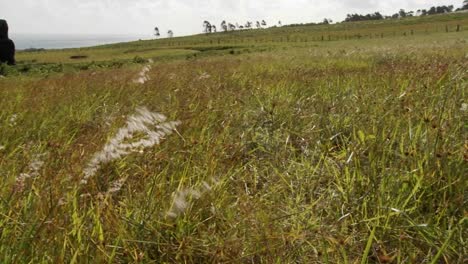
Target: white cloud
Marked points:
182	16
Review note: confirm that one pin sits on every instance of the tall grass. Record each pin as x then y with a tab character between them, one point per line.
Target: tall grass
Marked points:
344	153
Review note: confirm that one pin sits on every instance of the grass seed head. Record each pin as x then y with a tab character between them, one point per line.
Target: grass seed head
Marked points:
143	130
33	171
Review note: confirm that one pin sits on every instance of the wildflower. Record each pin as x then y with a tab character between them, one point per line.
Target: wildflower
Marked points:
154	128
2	147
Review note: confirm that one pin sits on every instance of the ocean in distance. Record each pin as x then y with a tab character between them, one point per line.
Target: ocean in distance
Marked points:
52	41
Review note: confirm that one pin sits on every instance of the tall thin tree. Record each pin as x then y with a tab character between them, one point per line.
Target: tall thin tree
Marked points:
207	27
224	26
156	32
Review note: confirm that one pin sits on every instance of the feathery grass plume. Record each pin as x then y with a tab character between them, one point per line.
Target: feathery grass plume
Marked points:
183	197
32	171
143	75
116	186
142	130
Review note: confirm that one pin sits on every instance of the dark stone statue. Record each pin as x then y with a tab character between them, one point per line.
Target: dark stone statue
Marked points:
7	47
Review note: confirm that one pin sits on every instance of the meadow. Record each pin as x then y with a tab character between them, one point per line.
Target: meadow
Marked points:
261	146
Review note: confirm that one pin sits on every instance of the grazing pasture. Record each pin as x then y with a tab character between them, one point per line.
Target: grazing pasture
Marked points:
241	147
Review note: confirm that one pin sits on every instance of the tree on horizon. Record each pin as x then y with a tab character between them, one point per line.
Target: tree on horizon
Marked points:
224	26
207	27
156	32
231	27
170	33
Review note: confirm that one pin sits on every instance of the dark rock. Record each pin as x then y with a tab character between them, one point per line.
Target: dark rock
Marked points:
7	47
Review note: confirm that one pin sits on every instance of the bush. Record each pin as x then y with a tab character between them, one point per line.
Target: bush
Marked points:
139	60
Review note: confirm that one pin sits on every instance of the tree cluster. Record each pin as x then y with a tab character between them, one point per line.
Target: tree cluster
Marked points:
403	13
326	21
225	26
436	10
464	7
170	33
357	17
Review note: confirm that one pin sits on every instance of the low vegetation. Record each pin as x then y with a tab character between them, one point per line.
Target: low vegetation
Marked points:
248	151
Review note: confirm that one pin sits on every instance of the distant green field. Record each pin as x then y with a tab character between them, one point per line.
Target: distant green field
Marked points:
261	146
357	33
88	55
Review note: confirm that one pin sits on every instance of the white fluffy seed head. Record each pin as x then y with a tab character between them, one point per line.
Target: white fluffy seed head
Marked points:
143	75
180	204
143	130
33	171
116	186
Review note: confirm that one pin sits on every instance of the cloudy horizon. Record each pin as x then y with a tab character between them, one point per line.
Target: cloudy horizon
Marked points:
139	17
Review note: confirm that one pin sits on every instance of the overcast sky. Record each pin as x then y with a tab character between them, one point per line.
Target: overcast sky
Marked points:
139	17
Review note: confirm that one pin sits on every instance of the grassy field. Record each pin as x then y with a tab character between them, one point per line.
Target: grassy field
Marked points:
241	148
